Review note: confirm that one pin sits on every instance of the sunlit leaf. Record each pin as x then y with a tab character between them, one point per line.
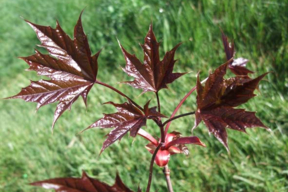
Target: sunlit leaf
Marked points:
153	74
71	68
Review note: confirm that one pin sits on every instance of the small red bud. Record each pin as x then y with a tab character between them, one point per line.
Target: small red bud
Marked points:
162	158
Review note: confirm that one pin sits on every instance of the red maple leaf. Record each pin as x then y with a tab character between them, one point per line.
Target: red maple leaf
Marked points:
83	184
153	74
215	102
128	118
70	66
237	66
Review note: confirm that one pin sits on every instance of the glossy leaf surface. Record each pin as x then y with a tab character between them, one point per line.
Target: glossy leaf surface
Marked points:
128	118
153	74
83	184
215	102
237	66
71	68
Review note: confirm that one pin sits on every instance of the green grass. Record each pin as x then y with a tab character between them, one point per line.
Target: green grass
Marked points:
258	160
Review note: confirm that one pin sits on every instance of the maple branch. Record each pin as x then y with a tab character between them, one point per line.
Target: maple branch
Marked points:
119	92
178	116
178	107
161	126
158	102
163	135
166	172
151	166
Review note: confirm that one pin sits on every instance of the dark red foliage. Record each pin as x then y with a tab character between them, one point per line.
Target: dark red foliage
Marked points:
70	66
83	184
128	118
215	102
237	66
73	70
153	74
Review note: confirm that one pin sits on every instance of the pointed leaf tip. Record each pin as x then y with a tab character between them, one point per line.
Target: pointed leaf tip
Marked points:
72	70
201	143
217	99
151	27
129	118
237	65
270	130
153	74
119	43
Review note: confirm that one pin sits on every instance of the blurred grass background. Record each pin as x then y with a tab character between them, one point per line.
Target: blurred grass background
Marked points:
258	160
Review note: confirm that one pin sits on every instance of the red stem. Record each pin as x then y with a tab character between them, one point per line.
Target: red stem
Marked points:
176	117
178	107
119	92
151	166
166	172
158	102
163	135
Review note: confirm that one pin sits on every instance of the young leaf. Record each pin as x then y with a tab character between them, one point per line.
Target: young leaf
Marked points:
70	66
153	74
173	144
83	184
237	66
215	102
128	118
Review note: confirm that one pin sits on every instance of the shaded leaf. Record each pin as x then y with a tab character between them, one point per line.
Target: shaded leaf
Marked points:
213	87
239	90
221	117
152	113
83	184
71	68
153	74
216	99
128	118
237	66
